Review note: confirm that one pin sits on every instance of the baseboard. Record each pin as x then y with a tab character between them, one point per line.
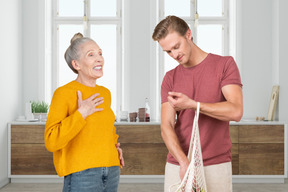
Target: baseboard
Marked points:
56	179
36	179
258	179
145	179
4	182
141	178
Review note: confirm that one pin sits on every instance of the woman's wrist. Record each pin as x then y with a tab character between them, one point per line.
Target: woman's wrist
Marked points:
84	115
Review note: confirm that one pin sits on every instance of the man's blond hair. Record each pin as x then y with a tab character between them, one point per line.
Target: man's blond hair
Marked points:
170	24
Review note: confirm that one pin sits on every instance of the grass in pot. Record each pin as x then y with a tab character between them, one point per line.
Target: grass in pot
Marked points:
40	110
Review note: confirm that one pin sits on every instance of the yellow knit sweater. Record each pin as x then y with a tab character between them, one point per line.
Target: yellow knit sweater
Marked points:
78	144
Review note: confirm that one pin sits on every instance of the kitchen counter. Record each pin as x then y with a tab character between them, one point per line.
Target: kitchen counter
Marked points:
259	151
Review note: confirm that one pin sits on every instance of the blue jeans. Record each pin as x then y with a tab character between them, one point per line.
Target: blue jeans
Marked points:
103	179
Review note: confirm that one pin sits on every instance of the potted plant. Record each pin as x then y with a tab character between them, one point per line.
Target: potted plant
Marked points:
40	110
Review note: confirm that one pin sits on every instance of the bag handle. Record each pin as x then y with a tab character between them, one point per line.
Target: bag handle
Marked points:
197	111
193	132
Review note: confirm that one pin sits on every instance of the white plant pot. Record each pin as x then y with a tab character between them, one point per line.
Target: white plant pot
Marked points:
40	116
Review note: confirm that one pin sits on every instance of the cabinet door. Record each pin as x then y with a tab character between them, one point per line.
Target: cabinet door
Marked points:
143	149
261	159
31	159
235	154
139	133
261	150
28	153
235	159
27	134
144	158
261	134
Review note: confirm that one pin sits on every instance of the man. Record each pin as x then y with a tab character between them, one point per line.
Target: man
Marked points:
210	79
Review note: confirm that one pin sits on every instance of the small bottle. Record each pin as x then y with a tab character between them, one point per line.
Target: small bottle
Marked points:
147	109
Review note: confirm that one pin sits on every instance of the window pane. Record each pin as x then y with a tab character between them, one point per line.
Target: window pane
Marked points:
102	8
210	38
66	32
209	8
74	8
105	37
169	63
180	8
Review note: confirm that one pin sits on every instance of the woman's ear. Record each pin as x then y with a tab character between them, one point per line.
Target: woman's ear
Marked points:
75	65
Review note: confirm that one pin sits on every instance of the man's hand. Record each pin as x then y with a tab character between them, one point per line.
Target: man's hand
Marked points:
180	101
183	168
88	106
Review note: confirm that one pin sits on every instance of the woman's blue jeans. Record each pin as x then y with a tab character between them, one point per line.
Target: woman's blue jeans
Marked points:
103	179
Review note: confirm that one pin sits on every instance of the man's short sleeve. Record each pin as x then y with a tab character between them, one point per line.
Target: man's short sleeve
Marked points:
231	73
166	87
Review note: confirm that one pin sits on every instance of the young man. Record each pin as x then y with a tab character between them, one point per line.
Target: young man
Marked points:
210	79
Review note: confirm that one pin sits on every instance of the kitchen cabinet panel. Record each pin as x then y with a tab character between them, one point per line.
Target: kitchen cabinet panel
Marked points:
261	159
261	134
144	159
31	159
256	149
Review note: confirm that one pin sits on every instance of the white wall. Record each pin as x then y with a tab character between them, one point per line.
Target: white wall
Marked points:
137	53
33	51
10	78
140	72
262	55
283	60
256	58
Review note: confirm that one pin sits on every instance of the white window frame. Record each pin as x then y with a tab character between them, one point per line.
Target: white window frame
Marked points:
57	20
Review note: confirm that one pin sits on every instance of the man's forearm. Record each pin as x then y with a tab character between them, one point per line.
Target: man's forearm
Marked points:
224	111
172	143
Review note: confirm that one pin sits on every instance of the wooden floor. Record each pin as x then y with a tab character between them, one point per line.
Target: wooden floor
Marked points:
24	187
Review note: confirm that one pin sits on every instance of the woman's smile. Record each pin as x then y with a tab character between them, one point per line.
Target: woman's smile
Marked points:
98	67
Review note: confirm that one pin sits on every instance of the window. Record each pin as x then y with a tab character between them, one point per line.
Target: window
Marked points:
210	32
99	20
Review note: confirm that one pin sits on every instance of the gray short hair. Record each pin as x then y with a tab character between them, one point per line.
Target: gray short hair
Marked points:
73	52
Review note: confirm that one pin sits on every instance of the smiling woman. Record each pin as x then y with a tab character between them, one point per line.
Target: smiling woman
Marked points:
87	62
81	117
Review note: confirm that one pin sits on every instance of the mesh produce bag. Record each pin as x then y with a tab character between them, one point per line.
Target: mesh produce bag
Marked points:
194	179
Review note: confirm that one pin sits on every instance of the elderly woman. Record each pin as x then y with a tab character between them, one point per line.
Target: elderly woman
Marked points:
80	125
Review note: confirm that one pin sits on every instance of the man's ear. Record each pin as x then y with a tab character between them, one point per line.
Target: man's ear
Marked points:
188	34
75	65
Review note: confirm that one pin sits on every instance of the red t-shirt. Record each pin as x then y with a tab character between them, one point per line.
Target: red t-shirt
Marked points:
203	83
